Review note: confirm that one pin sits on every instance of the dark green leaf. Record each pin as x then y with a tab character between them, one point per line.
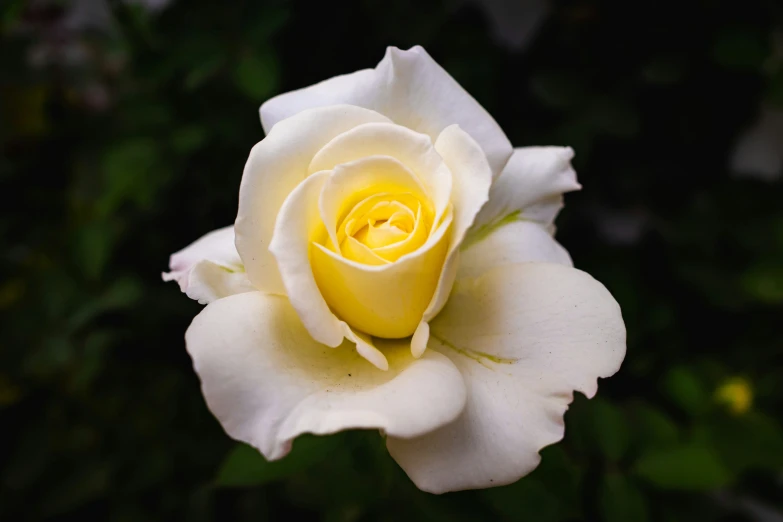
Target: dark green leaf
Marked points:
256	74
622	501
689	468
683	386
245	466
740	48
526	499
610	430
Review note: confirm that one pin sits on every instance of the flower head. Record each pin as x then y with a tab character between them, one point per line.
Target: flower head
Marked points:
397	271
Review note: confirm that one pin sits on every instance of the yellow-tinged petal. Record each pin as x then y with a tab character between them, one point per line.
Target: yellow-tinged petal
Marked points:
357	251
353	182
383	301
416	238
413	150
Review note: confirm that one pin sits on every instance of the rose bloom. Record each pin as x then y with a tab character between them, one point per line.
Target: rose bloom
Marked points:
392	267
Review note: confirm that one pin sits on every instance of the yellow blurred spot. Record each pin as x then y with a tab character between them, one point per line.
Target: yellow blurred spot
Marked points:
11	292
737	394
9	393
23	108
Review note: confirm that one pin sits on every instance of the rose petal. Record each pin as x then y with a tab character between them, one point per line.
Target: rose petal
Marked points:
524	337
410	88
387	300
472	178
298	225
276	165
414	150
511	243
267	381
530	188
350	182
209	268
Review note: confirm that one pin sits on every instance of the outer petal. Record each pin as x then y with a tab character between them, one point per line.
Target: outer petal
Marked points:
210	268
276	165
410	88
267	381
531	187
512	243
524	337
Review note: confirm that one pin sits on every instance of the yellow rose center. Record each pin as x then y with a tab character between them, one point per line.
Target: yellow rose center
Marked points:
382	242
381	228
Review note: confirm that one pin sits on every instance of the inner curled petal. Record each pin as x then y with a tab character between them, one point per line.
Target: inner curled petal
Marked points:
381	228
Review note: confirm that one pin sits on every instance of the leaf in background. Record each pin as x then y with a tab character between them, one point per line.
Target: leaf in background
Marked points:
614	116
652	428
691	467
78	488
203	71
664	70
764	282
610	430
22	110
123	293
188	139
93	243
130	174
526	499
264	27
621	501
558	89
740	48
749	441
257	74
683	387
245	466
774	94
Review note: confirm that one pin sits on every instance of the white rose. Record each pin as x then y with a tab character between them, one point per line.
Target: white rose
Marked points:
386	218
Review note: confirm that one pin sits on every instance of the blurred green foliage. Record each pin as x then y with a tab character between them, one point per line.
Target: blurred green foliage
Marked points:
124	131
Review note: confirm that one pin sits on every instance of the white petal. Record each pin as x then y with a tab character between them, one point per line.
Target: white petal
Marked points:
471	179
531	187
276	165
209	268
524	337
267	381
410	88
511	243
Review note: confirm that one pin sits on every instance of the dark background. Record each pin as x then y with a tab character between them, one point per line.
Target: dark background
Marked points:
124	128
